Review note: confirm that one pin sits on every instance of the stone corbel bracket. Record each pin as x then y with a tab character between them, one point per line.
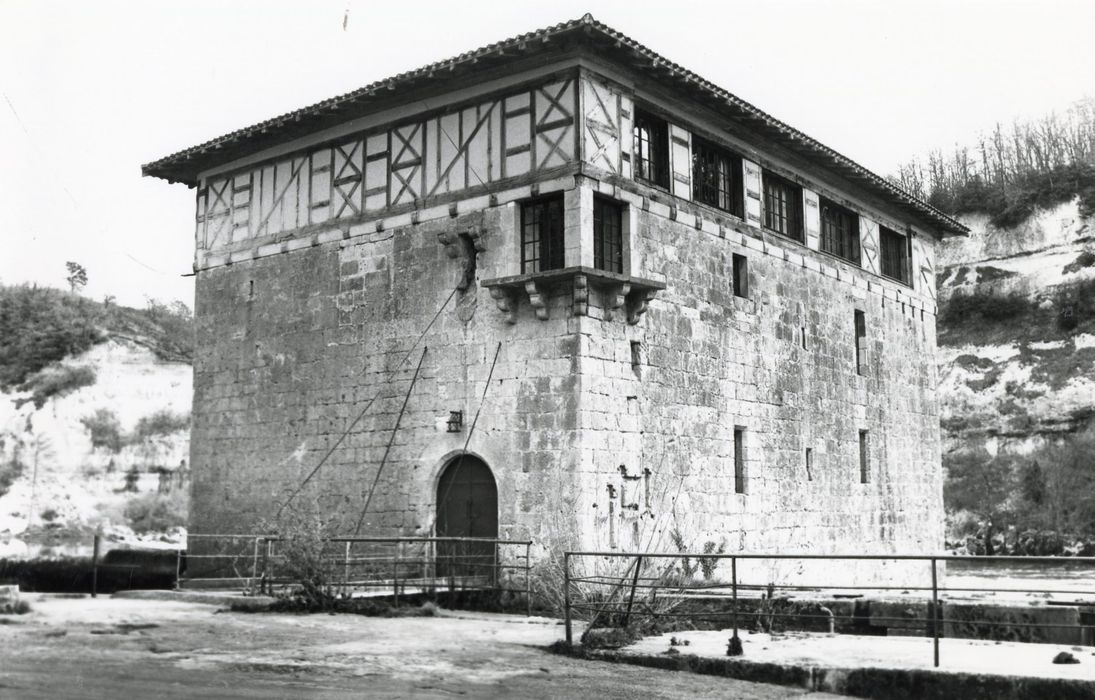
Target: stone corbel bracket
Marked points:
624	296
638	303
536	299
506	301
451	240
581	295
616	299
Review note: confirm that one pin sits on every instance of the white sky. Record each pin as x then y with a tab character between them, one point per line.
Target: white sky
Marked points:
102	87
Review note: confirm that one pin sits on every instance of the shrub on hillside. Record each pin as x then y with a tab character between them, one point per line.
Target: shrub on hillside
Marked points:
39	326
55	382
1084	259
157	512
987	305
10	470
105	430
163	422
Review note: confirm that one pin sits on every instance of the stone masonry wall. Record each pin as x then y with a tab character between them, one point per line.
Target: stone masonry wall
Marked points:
292	347
710	361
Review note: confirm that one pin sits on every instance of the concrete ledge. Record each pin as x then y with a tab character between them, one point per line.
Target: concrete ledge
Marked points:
876	683
218	598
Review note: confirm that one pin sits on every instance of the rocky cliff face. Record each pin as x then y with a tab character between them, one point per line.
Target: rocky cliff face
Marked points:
1016	333
109	456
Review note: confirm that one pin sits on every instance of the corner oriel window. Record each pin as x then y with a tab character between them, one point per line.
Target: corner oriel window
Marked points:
839	231
650	152
717	177
542	234
608	237
782	206
895	254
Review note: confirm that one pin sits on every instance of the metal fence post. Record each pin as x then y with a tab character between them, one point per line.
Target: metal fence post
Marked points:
254	565
178	567
634	585
95	566
528	579
566	597
399	555
935	613
734	588
267	577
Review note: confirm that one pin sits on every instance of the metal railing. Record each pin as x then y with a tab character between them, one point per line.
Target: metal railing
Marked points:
356	565
610	589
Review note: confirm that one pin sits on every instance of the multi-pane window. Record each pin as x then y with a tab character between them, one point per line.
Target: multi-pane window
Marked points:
608	238
782	206
650	152
542	234
716	177
895	254
839	231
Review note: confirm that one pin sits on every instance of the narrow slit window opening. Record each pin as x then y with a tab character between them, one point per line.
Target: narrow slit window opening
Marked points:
860	342
864	462
809	464
741	276
739	459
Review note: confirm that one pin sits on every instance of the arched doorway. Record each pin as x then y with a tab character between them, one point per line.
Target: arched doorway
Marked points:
467	506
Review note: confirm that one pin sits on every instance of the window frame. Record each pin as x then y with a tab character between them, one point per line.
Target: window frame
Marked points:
553	246
603	246
652	169
905	242
848	248
727	193
794	216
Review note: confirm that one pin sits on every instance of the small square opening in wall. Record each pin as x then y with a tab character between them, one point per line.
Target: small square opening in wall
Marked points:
864	462
741	276
739	459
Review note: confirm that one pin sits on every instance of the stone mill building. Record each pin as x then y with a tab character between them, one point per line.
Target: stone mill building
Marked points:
564	289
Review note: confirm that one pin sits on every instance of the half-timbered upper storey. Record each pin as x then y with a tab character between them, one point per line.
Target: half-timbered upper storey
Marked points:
516	121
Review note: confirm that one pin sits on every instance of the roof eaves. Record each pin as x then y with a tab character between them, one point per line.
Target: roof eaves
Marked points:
173	168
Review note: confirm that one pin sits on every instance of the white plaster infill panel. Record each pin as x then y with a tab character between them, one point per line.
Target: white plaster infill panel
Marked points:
811	208
752	191
602	131
868	244
680	160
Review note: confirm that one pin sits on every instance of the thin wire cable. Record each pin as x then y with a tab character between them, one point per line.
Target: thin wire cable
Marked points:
361	415
391	439
471	431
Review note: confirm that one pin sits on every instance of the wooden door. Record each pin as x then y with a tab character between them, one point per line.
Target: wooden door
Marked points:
467	506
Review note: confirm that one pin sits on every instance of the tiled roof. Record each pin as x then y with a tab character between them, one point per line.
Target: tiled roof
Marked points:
186	164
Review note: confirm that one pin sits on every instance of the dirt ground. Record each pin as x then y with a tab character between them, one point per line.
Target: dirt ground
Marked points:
120	648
